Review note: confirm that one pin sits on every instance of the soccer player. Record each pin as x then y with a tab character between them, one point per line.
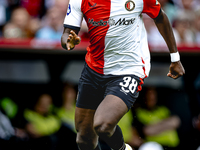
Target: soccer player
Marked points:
117	61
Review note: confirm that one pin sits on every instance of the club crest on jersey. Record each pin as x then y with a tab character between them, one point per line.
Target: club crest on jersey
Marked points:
129	5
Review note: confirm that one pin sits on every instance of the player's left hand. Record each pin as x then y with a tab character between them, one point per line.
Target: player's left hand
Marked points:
176	70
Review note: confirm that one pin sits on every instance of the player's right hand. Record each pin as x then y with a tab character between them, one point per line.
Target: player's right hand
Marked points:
72	40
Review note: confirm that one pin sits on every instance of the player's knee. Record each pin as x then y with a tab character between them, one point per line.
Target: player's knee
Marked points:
85	142
103	129
82	144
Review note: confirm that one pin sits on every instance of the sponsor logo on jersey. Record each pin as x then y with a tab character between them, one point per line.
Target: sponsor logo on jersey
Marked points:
125	21
129	5
97	23
111	22
69	10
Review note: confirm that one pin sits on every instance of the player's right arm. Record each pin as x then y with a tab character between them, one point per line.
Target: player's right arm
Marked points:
72	24
70	38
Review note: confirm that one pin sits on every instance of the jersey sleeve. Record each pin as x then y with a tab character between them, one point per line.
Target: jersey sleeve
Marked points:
74	16
151	8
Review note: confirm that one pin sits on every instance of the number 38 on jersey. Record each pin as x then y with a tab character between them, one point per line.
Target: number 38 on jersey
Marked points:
128	85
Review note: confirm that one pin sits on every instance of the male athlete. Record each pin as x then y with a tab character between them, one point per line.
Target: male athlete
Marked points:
117	61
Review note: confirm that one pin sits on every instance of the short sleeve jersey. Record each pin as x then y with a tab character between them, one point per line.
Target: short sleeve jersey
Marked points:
118	39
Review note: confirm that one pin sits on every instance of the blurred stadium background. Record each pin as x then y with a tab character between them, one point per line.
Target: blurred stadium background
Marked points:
32	60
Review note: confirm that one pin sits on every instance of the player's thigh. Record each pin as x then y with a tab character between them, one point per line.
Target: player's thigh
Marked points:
110	111
121	93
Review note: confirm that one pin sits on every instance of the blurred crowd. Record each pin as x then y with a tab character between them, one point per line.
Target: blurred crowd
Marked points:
47	122
43	19
43	125
184	15
40	19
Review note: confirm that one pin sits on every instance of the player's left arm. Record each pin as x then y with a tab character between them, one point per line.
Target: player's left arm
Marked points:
162	22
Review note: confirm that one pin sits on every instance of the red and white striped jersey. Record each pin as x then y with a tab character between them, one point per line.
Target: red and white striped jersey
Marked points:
118	39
